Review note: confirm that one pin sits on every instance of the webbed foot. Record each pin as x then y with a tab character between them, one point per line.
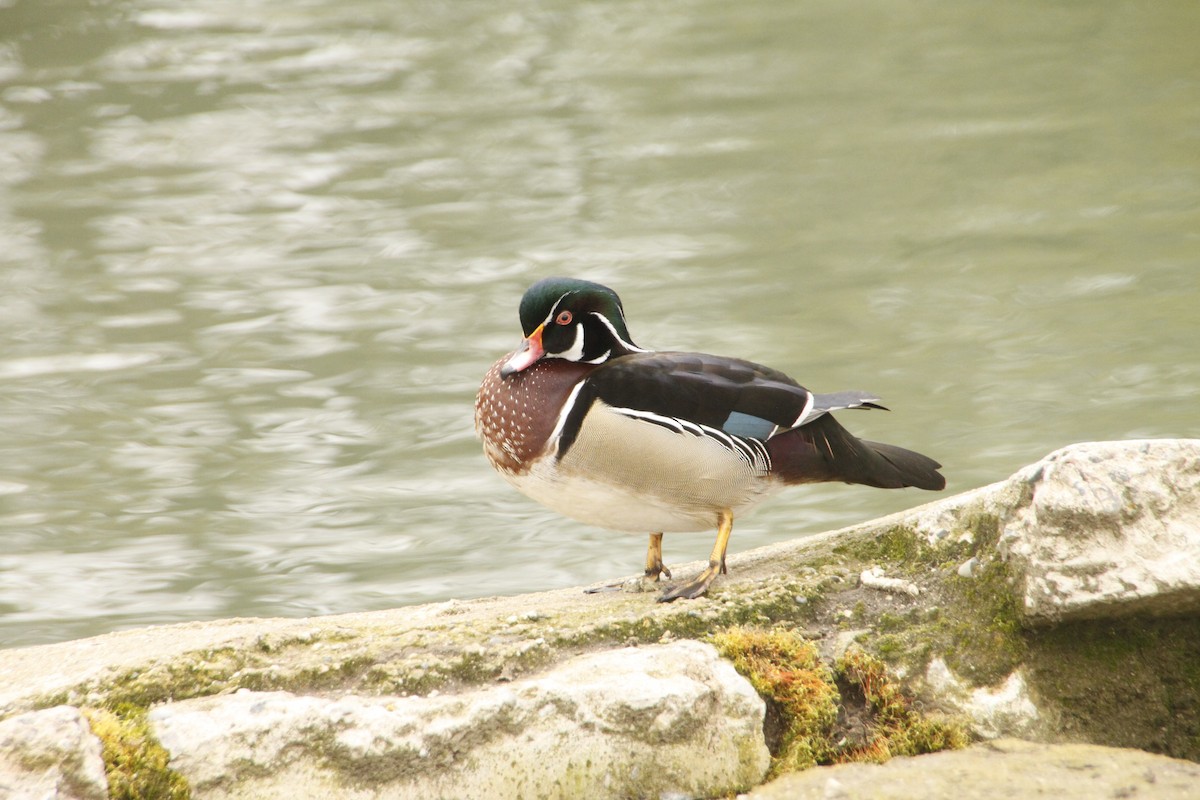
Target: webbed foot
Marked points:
693	588
716	564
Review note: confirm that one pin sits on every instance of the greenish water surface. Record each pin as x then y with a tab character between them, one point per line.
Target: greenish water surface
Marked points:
256	256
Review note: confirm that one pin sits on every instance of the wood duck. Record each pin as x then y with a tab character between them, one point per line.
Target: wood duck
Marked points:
598	429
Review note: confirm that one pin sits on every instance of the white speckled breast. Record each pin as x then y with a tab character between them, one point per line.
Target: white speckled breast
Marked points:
515	416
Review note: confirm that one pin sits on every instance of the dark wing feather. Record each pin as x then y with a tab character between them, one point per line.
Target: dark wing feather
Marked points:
749	400
736	396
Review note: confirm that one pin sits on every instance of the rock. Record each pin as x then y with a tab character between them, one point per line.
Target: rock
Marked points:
49	755
993	712
1109	528
874	578
1005	768
634	722
1059	604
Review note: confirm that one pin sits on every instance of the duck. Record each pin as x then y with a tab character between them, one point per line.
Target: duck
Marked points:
584	421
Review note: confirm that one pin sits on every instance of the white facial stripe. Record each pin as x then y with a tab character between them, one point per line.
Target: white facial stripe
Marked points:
554	309
611	329
624	321
575	352
600	359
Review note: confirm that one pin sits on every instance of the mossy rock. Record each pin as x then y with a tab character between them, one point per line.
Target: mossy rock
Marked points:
134	762
817	714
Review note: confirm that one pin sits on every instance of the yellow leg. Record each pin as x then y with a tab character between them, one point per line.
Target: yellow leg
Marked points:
716	564
654	562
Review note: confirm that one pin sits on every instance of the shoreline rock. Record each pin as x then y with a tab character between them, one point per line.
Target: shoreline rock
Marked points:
633	722
51	753
998	770
1047	606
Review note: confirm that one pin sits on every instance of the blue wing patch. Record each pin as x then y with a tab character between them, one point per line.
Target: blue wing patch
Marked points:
739	424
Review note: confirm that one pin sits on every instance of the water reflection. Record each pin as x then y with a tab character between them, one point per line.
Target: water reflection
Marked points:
255	258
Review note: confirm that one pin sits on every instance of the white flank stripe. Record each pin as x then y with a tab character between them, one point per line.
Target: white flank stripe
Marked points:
562	415
808	404
752	451
649	416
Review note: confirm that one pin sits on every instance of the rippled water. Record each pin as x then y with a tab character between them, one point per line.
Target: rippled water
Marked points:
255	257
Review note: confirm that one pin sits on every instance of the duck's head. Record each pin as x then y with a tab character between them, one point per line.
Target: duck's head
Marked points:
571	319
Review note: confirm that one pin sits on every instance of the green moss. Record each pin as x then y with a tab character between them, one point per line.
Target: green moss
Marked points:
789	602
903	549
208	672
976	622
985	528
983	638
197	676
893	728
816	715
417	662
51	701
473	667
890	646
983	617
787	672
134	761
332	675
1144	672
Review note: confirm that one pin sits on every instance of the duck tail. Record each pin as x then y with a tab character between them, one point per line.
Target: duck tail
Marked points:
822	450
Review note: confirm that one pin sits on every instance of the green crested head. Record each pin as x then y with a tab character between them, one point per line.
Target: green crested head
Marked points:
579	296
572	319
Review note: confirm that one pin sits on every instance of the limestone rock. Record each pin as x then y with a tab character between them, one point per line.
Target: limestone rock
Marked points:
1109	528
1005	768
1004	710
634	722
1095	548
50	755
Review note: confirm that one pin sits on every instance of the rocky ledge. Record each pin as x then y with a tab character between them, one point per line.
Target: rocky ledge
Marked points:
1059	607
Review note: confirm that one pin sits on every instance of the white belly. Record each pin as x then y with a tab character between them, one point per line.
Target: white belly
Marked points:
629	475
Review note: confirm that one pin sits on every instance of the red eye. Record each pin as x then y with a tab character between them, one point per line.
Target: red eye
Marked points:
564	318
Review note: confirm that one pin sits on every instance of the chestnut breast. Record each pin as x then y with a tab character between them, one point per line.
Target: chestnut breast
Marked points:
514	416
